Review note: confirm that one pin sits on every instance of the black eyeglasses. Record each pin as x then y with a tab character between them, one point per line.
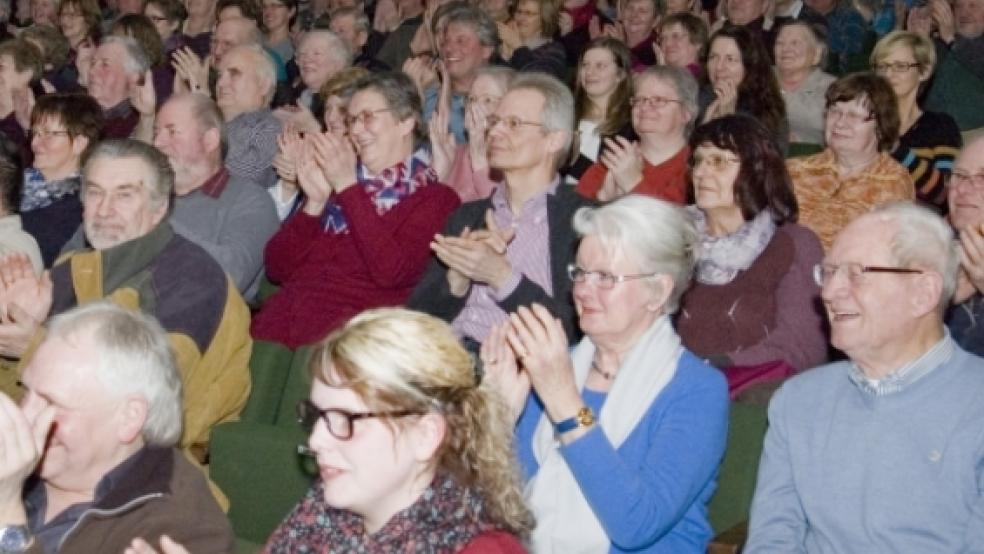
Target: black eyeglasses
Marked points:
340	422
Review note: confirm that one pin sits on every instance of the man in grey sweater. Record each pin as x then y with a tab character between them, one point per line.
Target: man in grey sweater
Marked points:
883	452
229	216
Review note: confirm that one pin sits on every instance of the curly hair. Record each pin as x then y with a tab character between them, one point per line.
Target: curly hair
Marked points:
758	93
763	183
619	112
397	359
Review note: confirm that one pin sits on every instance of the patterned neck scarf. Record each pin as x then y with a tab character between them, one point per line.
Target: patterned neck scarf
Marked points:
386	189
721	258
445	518
39	193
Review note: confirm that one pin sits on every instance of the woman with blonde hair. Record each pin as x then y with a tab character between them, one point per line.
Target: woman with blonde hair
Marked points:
411	450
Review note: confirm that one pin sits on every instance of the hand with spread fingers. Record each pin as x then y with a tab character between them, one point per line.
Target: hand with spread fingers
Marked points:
623	160
25	300
539	341
502	371
22	444
190	71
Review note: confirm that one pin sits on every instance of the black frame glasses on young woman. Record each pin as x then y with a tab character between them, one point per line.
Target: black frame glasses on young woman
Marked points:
340	422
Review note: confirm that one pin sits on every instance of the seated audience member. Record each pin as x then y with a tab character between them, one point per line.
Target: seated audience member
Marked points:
958	86
856	171
965	194
602	90
682	40
664	107
20	62
353	26
797	10
360	238
398	24
56	70
453	486
800	52
230	217
104	385
118	66
753	17
168	16
290	148
199	29
740	79
928	141
63	126
511	249
247	80
13	239
320	55
43	12
127	252
602	427
904	410
469	42
465	167
753	309
198	73
81	22
636	27
278	16
142	29
848	34
582	22
528	39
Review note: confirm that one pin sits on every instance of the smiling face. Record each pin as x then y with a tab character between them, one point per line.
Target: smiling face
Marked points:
240	87
315	61
380	139
714	173
796	50
905	83
850	129
463	52
527	19
276	16
599	74
117	202
969	17
373	472
72	23
614	315
678	46
669	120
88	438
164	26
344	27
44	12
965	200
528	145
743	12
56	154
638	17
724	62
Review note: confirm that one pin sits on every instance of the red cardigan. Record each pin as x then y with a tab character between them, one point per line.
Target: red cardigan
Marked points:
494	542
666	181
326	278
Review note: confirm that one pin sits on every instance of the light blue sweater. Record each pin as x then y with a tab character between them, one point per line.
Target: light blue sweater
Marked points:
844	470
651	494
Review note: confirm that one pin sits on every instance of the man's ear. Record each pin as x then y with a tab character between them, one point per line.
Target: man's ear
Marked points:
925	296
212	139
132	415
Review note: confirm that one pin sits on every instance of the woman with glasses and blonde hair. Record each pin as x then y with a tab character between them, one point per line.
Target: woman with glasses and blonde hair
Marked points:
664	107
856	170
621	437
753	309
361	237
410	448
928	141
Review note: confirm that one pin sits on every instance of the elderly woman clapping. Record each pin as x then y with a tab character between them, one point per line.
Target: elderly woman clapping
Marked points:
641	422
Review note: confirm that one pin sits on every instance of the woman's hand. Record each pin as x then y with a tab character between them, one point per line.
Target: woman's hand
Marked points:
942	14
387	17
190	71
143	97
511	40
443	145
725	102
337	159
421	71
312	180
476	123
83	60
623	160
289	146
565	23
502	371
539	341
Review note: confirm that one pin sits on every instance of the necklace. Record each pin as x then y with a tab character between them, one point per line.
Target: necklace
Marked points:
603	373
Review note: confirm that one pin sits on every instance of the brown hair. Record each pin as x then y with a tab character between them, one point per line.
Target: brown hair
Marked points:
26	56
79	113
90	12
877	96
619	112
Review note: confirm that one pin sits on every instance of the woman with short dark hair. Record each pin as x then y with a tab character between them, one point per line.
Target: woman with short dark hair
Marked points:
753	309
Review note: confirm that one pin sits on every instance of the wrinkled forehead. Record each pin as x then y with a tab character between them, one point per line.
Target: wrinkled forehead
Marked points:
971	158
866	240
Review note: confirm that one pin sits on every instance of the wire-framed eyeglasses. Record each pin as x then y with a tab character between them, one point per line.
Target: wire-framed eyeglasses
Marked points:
602	279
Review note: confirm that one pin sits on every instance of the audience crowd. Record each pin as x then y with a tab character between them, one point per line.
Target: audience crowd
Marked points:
538	249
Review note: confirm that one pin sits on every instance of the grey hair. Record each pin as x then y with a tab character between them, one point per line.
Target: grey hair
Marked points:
817	32
401	98
659	236
135	61
161	173
207	114
923	240
558	106
262	63
135	357
682	81
359	17
337	49
481	22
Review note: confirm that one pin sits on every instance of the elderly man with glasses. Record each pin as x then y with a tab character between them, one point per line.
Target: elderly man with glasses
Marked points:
965	195
882	452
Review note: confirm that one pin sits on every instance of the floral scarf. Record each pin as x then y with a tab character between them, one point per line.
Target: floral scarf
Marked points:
386	189
443	520
39	193
721	258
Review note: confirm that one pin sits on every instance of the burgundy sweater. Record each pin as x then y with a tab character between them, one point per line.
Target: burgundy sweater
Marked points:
769	312
326	278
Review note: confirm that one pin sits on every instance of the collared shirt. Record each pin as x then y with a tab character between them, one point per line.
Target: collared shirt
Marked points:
827	203
215	184
909	373
528	254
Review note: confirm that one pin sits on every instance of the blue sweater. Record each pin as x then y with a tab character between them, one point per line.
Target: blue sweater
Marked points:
650	494
844	470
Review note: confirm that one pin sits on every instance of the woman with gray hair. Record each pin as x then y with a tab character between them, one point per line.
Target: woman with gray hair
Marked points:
619	438
800	52
664	107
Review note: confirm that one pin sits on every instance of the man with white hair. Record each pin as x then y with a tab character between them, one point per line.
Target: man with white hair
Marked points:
882	452
247	82
513	248
117	67
89	460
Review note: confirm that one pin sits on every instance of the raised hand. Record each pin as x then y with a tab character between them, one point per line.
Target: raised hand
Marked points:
502	372
191	72
22	443
143	97
337	159
623	160
23	100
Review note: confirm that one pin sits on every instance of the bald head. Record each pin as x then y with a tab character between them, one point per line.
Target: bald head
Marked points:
230	33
